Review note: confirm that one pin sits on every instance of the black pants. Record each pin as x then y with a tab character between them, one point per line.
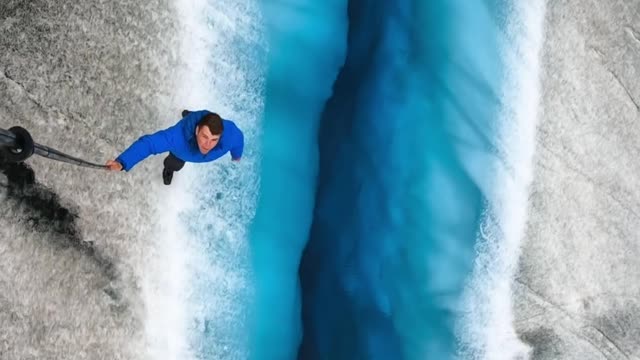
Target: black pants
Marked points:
172	163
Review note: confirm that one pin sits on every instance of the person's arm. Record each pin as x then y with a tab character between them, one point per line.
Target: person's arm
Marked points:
237	149
145	146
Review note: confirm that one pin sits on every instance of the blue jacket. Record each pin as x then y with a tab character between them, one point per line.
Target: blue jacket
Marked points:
180	140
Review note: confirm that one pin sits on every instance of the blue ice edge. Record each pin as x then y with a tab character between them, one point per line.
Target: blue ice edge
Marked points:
307	44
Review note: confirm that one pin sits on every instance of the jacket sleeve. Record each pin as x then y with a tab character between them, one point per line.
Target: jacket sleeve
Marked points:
145	146
238	147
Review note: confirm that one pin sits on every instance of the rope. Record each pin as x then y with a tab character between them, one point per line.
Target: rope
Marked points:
8	140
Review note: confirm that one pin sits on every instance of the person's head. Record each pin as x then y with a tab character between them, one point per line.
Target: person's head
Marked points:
208	132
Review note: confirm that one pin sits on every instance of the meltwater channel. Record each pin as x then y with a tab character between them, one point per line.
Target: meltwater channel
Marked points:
395	159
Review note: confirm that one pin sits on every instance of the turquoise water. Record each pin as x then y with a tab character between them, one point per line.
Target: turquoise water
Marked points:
375	146
307	42
404	142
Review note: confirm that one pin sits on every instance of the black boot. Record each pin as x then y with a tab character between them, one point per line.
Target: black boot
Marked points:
167	176
171	165
185	113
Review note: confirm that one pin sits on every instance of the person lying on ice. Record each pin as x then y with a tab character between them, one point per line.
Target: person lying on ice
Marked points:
201	136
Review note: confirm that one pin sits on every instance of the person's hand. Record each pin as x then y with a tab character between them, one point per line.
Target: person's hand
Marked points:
114	165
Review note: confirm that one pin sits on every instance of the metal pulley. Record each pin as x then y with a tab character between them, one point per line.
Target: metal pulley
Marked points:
17	145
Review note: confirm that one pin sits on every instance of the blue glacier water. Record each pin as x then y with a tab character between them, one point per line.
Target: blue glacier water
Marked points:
306	43
406	143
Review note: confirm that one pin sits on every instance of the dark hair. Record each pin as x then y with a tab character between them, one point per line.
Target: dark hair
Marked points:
214	122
